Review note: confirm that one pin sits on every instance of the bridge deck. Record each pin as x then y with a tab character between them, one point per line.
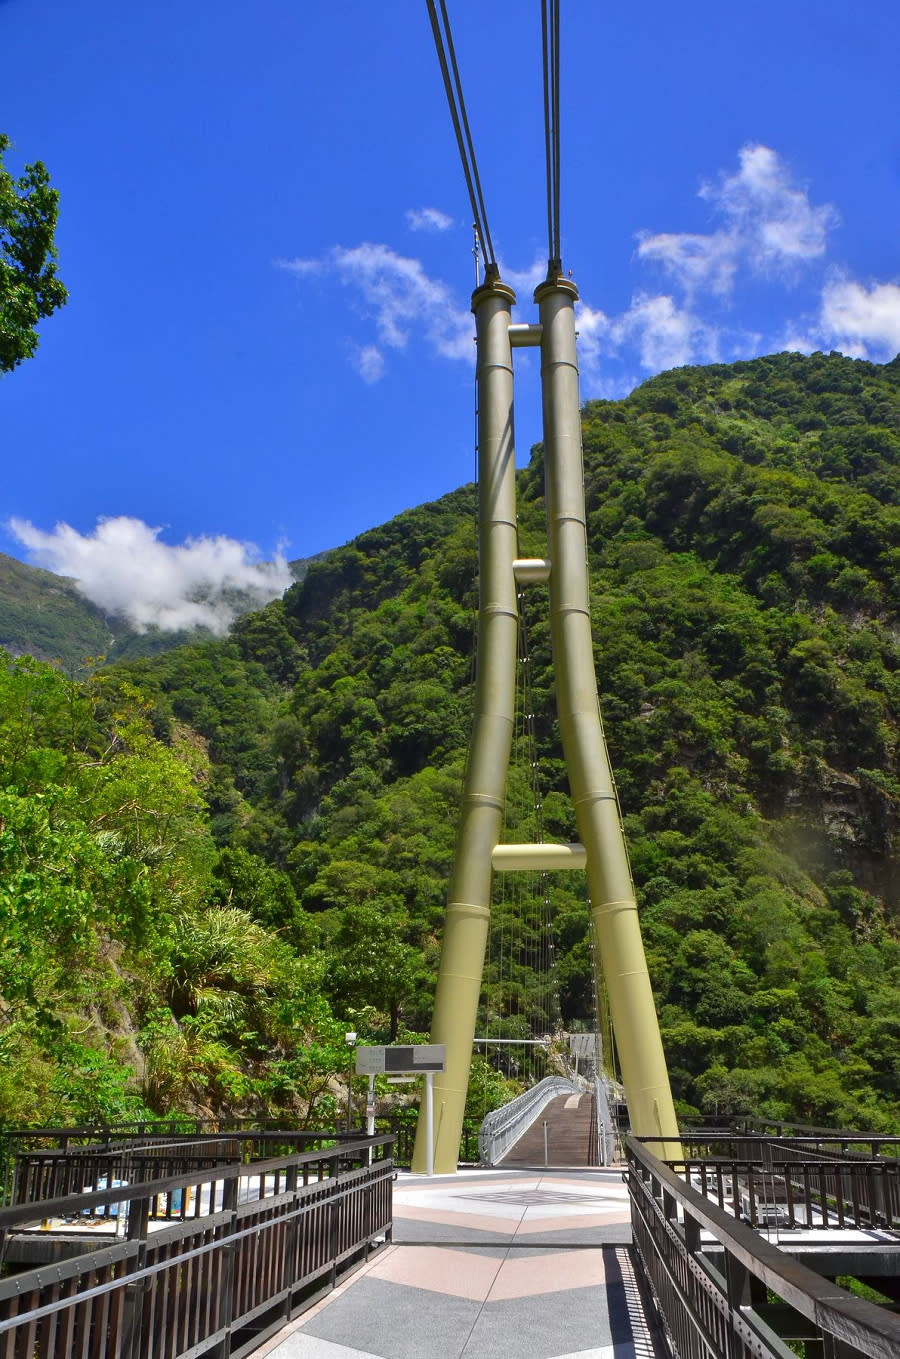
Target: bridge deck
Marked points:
494	1264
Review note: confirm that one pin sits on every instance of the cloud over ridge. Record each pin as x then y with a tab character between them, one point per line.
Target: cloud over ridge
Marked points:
861	320
124	569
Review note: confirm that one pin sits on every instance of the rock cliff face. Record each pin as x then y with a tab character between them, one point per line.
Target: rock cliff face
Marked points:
852	822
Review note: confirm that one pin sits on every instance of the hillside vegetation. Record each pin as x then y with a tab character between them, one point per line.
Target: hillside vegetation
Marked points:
48	617
215	859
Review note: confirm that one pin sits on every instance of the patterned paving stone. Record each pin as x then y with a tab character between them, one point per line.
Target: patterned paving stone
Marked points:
490	1266
534	1198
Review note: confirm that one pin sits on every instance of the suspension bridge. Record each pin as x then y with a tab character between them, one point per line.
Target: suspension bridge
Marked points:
569	1236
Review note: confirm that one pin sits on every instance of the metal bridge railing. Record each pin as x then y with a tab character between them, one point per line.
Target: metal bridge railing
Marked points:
723	1289
67	1144
794	1183
258	1243
605	1120
41	1172
502	1128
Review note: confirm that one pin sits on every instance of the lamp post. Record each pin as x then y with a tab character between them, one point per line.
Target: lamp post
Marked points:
350	1040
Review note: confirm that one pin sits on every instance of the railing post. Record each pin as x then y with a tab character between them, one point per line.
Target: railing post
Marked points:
291	1244
332	1236
226	1284
737	1286
133	1319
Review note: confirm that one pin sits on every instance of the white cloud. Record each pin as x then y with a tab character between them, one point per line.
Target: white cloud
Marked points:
370	363
770	226
126	571
524	281
664	334
428	219
301	267
796	342
695	261
594	337
771	214
765	227
395	291
863	322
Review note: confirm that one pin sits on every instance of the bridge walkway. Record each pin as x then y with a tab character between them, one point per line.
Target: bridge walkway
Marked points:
497	1264
563	1134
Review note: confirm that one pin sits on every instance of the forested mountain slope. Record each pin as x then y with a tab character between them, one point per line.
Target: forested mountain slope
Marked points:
43	615
47	616
744	526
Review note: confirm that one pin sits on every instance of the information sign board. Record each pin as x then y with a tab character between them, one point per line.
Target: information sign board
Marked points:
422	1057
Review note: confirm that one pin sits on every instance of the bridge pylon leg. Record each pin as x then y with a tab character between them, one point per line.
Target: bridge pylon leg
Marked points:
613	904
484	791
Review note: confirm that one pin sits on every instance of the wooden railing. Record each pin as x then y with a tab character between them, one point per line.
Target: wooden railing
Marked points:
723	1289
258	1244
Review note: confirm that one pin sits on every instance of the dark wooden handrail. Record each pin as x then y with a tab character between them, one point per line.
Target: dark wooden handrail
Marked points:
265	1239
39	1209
722	1305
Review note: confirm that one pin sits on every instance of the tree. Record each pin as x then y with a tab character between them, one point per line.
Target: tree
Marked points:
29	287
370	964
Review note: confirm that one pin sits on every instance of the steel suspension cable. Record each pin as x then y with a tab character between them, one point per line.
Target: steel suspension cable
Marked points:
550	37
443	41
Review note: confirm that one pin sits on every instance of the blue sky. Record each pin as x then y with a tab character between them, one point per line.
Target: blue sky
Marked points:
266	239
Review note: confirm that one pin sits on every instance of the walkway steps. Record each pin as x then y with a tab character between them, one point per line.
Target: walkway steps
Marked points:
491	1264
571	1135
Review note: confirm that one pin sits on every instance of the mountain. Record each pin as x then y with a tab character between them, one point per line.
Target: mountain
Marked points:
744	543
47	616
44	615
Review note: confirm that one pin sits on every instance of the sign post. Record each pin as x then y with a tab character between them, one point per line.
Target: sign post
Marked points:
429	1122
370	1106
421	1059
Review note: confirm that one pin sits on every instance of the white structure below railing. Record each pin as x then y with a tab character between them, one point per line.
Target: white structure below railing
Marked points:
506	1125
606	1095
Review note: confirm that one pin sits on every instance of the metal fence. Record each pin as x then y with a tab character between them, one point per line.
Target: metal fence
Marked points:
724	1290
605	1124
41	1172
793	1183
65	1142
249	1246
818	1143
502	1128
57	1144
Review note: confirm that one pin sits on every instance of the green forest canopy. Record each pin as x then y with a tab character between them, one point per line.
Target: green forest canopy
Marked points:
216	859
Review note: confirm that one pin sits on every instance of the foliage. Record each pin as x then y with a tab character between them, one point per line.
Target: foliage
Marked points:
29	286
246	843
47	616
44	616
